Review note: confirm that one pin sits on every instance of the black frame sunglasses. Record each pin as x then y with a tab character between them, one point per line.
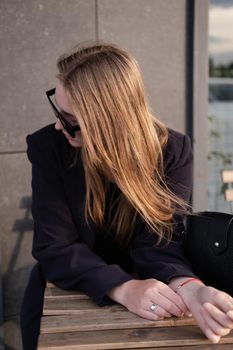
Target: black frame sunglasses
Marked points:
71	129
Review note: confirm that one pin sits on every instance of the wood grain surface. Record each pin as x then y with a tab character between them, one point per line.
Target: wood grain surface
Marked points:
72	321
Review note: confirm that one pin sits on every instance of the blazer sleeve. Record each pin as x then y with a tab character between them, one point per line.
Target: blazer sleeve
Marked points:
167	260
65	260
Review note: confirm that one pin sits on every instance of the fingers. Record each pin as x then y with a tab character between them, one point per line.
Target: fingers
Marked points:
212	330
215	327
219	316
212	337
223	301
159	311
213	322
144	310
202	323
167	305
151	315
147	314
173	303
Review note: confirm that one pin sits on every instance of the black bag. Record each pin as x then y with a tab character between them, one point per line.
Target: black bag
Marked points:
208	246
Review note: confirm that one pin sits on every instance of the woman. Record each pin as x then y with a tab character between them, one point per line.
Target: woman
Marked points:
111	185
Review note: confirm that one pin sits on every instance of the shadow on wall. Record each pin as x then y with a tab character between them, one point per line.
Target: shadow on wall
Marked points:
21	226
15	279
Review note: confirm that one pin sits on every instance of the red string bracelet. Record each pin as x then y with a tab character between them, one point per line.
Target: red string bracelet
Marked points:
188	281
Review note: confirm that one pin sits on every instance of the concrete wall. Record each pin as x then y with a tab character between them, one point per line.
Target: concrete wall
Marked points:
33	34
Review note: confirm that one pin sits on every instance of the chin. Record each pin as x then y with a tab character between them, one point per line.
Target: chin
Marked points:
75	143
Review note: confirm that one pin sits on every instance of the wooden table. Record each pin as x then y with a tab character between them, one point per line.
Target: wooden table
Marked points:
71	321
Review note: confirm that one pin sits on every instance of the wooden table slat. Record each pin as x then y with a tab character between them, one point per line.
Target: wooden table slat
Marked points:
88	321
54	292
67	306
72	321
130	338
194	347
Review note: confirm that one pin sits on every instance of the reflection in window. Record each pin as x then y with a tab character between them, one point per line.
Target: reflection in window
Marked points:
220	113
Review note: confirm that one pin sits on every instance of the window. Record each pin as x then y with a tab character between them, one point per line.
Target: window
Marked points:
220	111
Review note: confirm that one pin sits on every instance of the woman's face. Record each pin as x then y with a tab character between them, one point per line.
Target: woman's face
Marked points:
64	106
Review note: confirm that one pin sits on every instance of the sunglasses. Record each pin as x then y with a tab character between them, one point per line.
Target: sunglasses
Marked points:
68	126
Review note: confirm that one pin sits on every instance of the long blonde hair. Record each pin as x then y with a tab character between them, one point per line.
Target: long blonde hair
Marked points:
121	139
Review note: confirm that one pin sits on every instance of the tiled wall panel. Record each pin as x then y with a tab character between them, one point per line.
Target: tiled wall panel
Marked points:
154	32
33	34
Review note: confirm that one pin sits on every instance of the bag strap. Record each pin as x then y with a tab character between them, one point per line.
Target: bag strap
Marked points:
219	229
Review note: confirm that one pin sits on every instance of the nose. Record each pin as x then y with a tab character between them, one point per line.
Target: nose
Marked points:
58	125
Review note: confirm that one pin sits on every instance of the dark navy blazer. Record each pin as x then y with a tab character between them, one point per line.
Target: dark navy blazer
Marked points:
75	255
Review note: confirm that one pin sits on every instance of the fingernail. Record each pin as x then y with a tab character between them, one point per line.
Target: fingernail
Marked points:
230	313
190	314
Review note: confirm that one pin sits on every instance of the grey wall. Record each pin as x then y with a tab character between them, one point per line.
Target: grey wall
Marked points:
155	32
200	106
33	34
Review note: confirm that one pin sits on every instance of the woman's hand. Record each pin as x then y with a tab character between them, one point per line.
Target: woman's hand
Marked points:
211	308
139	295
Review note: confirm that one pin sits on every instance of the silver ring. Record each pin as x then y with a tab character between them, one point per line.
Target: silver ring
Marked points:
153	307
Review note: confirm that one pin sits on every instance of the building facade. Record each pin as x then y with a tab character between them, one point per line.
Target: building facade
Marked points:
168	39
